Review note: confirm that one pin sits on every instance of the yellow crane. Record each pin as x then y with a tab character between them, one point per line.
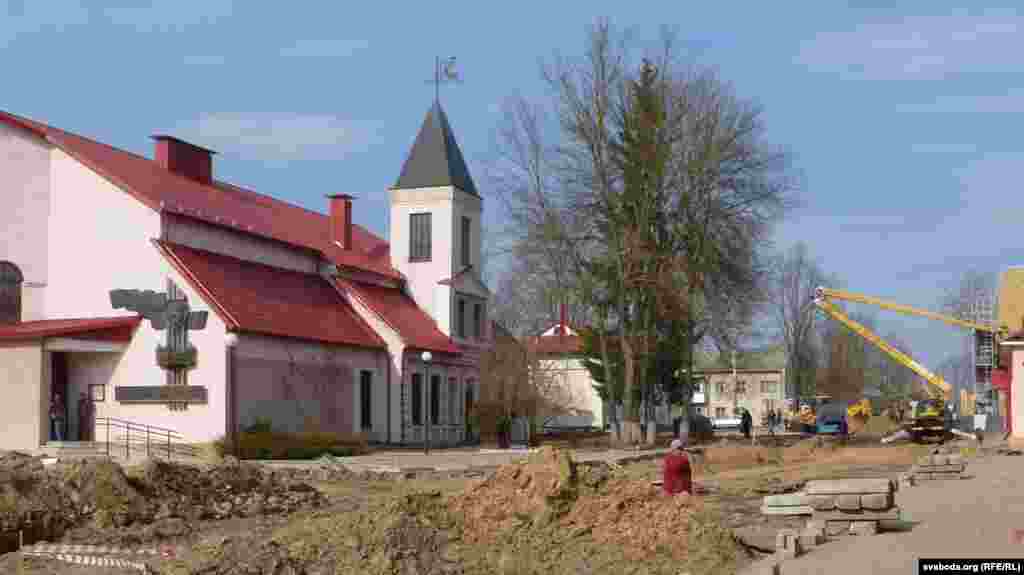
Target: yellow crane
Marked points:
941	391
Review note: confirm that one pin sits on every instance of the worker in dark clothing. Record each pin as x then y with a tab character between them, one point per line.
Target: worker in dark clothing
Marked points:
677	476
746	423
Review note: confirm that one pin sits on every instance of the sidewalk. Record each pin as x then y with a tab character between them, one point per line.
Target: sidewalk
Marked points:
970	518
462	459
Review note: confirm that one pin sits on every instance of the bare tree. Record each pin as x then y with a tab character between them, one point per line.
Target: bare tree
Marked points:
972	288
653	203
796	276
514	379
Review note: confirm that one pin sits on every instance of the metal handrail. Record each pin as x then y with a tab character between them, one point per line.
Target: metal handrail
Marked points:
161	433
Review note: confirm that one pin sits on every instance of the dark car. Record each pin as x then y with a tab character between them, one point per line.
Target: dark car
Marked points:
831	419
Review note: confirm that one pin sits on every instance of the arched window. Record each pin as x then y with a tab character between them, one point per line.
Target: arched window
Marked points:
10	293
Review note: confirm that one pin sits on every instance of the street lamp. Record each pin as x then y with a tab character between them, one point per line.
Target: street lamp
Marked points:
230	343
426	357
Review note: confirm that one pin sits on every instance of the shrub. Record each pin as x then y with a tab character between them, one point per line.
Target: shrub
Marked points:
261	425
285	445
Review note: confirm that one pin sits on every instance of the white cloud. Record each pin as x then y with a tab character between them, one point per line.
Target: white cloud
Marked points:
277	136
1010	103
324	48
920	48
166	16
944	148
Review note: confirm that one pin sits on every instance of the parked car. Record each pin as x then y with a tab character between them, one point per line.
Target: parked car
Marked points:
726	422
831	419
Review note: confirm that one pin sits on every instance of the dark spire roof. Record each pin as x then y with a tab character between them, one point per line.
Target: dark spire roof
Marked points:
435	159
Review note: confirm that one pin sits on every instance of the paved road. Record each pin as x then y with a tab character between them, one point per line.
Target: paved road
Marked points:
969	518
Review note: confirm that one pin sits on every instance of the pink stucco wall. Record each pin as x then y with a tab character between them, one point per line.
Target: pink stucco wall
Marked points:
390	414
25	181
99	240
1017	395
137	366
301	386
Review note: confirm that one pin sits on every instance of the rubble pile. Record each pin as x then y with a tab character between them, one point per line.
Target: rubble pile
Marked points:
97	494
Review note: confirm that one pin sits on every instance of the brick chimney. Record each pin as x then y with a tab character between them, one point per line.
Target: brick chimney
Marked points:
341	219
184	159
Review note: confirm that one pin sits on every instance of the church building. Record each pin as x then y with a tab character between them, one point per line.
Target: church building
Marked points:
313	322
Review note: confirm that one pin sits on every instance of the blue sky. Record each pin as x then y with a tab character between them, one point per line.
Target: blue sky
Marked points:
905	122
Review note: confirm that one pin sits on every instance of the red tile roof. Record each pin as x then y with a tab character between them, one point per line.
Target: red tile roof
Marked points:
218	203
102	329
555	344
416	328
262	299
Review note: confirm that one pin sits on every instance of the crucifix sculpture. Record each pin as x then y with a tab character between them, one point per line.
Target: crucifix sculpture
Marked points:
174	315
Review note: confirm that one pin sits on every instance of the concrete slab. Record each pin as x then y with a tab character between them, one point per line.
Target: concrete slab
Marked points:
849	486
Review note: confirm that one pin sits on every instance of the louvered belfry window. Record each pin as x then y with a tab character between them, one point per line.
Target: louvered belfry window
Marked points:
419	237
10	293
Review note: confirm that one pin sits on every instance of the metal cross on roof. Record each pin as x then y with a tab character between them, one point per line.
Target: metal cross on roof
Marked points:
444	72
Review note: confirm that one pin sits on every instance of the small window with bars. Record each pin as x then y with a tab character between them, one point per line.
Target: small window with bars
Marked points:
419	237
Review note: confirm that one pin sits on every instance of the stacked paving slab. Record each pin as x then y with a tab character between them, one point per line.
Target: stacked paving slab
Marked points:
850	505
939	466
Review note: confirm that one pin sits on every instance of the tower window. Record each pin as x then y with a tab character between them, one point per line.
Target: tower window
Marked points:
460	319
466	227
478	320
419	237
10	293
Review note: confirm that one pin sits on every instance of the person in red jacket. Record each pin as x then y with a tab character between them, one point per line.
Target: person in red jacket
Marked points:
677	477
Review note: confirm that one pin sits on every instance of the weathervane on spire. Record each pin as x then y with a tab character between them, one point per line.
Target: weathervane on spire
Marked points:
444	72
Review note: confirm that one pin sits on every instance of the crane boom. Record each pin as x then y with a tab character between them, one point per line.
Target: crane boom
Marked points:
835	313
828	293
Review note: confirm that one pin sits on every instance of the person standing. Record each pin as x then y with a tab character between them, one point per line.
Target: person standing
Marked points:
56	417
85	417
677	477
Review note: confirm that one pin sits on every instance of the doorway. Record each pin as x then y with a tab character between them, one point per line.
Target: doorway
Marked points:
58	385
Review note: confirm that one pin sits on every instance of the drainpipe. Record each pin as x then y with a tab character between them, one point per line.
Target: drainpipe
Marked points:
387	366
231	340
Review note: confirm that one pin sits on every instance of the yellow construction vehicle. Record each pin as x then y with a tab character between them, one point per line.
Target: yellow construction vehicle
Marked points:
933	419
861	409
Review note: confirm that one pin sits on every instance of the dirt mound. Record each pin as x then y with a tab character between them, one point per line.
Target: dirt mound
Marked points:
636	516
548	489
534	490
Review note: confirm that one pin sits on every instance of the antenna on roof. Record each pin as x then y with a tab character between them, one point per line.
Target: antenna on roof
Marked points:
444	72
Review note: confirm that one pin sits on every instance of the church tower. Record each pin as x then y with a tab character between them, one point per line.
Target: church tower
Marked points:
435	231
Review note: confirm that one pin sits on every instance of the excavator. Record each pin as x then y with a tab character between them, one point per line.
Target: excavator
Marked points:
930	419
